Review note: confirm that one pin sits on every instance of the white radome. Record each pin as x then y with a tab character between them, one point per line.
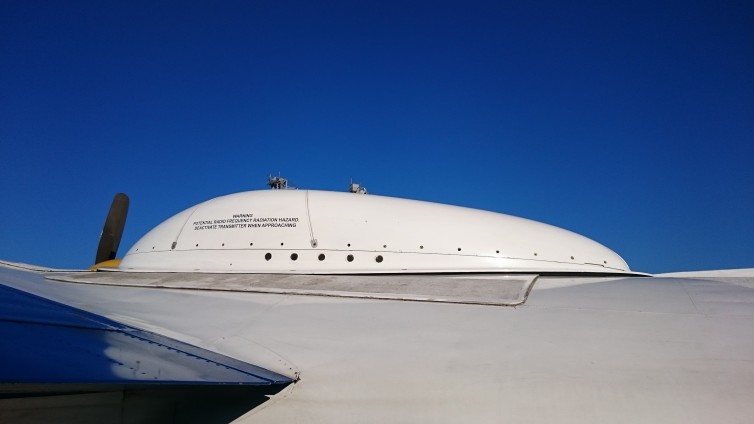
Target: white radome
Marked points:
320	232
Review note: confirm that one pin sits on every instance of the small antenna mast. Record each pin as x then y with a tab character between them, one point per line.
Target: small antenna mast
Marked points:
357	188
277	183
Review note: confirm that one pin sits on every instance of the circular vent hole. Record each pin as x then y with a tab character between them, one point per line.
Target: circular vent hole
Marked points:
294	256
267	256
321	257
349	258
378	259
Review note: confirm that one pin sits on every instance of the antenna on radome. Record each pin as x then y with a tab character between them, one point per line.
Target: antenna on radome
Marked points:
278	183
357	188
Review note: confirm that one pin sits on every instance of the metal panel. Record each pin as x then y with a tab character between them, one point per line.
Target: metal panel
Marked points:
501	290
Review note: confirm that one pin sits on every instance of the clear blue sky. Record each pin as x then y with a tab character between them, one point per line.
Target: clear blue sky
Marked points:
629	122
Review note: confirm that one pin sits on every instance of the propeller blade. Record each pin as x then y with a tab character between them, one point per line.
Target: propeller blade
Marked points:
113	229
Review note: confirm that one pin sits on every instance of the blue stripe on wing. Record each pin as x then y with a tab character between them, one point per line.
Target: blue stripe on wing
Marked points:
42	341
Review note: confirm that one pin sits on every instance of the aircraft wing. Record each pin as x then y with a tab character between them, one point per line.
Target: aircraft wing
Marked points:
575	349
63	364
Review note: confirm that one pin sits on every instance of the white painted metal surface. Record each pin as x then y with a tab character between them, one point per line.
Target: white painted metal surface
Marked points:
580	350
316	232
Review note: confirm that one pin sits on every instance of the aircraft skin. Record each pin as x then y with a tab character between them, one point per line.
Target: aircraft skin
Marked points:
582	348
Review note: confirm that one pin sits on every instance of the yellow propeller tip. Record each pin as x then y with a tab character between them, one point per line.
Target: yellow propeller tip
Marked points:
112	263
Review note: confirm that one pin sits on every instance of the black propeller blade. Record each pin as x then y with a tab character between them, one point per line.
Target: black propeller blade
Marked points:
113	229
